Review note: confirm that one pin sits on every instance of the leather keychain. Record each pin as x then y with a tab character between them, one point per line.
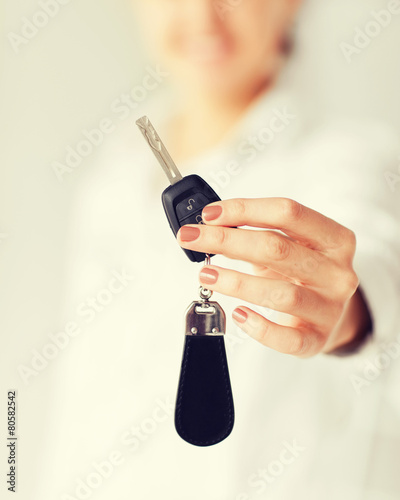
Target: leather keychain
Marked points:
204	410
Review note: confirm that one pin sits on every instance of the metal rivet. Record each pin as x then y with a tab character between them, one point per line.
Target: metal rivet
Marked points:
194	330
215	330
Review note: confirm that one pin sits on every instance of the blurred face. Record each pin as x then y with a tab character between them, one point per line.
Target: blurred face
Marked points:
217	46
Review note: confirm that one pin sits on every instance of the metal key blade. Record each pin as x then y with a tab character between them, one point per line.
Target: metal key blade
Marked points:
159	150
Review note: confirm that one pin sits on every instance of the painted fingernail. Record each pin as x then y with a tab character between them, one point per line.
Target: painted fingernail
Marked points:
211	212
208	276
188	233
239	315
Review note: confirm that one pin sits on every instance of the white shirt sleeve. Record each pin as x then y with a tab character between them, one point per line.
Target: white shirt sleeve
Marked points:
354	191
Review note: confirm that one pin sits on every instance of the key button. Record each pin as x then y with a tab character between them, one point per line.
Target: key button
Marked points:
191	204
193	218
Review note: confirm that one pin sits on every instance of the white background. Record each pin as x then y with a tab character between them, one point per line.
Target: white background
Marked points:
63	81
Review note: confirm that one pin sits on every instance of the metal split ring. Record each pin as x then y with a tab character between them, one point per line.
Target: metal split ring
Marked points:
205	293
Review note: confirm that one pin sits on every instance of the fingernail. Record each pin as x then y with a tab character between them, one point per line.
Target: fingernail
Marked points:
188	233
239	315
211	212
208	276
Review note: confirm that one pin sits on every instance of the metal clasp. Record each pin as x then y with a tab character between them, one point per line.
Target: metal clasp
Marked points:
205	318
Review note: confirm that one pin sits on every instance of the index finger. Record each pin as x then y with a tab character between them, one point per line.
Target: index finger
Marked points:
294	219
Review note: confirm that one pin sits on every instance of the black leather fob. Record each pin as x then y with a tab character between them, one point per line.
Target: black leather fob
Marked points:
204	410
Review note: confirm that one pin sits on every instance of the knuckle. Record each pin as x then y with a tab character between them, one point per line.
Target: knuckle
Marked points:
348	284
294	298
237	286
291	209
277	247
306	344
298	343
277	296
263	333
349	240
267	298
239	208
220	236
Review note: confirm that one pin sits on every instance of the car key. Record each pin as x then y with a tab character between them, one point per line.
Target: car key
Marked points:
185	198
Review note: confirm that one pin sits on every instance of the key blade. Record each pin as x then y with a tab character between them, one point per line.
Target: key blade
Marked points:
159	150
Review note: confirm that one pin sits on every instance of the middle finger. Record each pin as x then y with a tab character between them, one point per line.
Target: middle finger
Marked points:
263	248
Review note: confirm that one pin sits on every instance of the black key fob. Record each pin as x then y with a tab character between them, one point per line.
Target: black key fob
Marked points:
185	198
183	203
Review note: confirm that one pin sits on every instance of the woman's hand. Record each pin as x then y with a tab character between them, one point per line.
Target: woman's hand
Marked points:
306	272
